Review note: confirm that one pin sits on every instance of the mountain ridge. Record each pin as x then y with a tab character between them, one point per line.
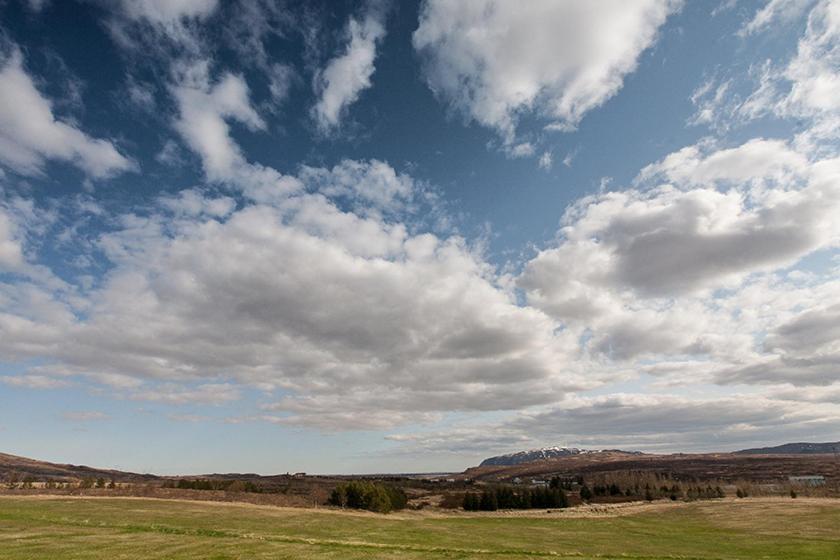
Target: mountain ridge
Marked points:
531	455
798	448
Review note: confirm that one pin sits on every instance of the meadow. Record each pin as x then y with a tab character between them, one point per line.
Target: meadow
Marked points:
135	528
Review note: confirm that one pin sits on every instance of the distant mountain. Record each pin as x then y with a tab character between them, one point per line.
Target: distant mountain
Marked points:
794	449
532	455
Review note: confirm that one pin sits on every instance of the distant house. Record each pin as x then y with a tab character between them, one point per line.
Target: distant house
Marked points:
517	480
537	482
809	480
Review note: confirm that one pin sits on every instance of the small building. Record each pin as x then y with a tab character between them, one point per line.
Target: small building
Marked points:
517	480
808	480
537	482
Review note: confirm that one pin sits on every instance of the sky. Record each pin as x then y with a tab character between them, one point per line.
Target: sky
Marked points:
356	237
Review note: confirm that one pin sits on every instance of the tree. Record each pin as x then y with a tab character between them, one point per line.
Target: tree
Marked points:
369	496
100	482
471	502
488	501
12	480
585	493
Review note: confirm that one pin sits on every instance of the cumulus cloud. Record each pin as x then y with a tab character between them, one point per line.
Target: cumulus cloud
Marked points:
346	76
493	61
31	135
668	240
335	309
373	184
684	280
757	160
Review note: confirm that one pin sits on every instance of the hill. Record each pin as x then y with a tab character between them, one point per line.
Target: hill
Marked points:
759	468
531	456
22	467
544	453
794	449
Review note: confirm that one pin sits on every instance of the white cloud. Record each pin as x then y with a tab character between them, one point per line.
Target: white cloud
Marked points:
30	134
204	108
815	71
168	11
84	416
11	251
374	184
667	241
757	160
150	27
683	280
546	161
208	393
801	88
34	381
345	77
493	61
334	308
521	150
775	11
191	418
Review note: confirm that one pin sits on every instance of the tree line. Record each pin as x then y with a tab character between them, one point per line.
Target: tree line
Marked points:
650	492
362	494
505	497
207	484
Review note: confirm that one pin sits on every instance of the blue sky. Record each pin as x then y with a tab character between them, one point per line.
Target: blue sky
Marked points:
379	236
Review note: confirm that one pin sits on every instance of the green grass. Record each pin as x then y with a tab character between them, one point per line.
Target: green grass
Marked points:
118	528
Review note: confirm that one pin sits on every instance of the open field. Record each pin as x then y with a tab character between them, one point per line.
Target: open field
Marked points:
127	528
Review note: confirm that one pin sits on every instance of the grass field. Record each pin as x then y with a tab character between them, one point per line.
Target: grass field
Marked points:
126	528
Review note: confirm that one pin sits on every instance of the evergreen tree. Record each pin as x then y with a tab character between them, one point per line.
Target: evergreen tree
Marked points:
488	501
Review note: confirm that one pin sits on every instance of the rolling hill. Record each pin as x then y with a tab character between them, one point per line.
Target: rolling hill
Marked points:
23	467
